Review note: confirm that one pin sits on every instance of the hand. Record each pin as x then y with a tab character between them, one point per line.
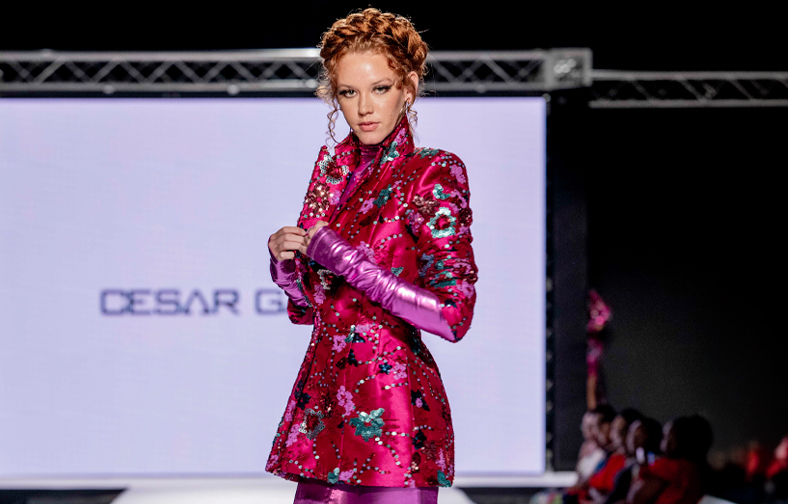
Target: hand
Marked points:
311	232
286	241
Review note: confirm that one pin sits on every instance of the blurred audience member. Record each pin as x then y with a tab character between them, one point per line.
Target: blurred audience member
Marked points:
758	459
778	473
601	483
678	477
642	447
591	454
780	462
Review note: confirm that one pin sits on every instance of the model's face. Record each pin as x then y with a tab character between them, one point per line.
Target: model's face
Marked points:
369	96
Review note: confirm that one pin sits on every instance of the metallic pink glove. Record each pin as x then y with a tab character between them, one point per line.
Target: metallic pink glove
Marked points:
284	275
416	305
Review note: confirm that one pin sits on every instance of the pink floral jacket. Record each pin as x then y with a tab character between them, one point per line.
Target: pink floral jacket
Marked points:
368	406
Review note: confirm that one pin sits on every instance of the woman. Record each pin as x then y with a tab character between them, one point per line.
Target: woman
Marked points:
382	249
678	477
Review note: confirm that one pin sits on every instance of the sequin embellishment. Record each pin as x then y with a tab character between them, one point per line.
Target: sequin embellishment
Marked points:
369	425
442	225
312	424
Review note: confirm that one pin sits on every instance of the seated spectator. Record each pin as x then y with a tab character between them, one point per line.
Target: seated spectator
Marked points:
676	478
780	462
601	483
642	447
591	454
604	414
777	473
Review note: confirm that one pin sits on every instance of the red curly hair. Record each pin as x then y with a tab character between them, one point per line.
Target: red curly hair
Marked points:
371	30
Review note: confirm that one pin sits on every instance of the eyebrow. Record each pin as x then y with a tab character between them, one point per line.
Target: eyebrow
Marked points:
376	83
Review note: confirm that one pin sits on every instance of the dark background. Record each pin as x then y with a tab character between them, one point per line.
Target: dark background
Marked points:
676	214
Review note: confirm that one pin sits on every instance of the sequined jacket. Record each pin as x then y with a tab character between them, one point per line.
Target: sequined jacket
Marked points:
368	406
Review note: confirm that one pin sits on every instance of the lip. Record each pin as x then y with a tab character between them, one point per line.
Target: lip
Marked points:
368	126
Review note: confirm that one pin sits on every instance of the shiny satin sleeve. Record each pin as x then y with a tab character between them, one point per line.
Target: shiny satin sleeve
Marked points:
284	275
415	305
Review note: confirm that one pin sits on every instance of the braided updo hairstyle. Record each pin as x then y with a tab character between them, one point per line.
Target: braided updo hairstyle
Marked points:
371	30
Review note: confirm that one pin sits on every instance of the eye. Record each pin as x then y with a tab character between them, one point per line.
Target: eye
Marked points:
382	89
347	93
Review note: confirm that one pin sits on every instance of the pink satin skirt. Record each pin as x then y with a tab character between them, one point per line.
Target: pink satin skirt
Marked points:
314	492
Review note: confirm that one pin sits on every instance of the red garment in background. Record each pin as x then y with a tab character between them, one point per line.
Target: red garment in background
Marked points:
605	478
684	484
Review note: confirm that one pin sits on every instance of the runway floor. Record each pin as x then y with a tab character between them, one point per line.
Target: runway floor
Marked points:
252	490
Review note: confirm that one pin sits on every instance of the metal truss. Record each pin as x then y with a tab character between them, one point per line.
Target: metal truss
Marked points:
295	72
275	71
617	89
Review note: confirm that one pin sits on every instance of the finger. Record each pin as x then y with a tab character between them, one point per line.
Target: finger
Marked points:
288	230
288	245
283	256
294	230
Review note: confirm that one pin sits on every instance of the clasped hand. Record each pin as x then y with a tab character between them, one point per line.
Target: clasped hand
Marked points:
287	240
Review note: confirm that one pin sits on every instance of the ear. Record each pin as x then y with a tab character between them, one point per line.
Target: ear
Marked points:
411	94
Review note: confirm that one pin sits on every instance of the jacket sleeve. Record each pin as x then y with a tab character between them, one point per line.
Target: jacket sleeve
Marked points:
444	305
283	273
403	299
439	216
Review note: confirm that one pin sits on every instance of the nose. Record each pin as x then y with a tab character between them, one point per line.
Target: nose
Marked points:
364	104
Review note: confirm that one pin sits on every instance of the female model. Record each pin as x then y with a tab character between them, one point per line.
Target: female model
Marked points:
382	250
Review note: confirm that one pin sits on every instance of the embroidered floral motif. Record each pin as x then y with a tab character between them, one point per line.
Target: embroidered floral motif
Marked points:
320	294
367	205
303	398
383	197
367	251
336	476
418	439
439	194
391	153
289	411
457	171
317	200
417	399
400	371
442	224
384	368
428	259
345	400
415	219
334	174
442	480
354	337
425	206
339	343
423	153
369	425
325	278
312	424
397	271
292	437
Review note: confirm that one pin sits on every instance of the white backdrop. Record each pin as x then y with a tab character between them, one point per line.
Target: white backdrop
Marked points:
140	333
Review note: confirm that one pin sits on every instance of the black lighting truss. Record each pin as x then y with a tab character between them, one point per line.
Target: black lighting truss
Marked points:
295	71
620	89
285	71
